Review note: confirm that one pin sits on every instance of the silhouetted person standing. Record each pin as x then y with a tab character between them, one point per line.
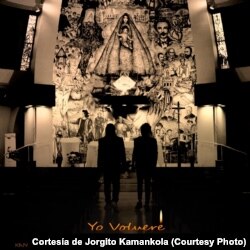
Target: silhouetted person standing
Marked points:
111	159
145	155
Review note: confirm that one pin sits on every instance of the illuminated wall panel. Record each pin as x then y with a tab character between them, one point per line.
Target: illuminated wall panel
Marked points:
125	48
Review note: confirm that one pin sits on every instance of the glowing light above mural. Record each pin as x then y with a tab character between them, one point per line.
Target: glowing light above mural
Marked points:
124	83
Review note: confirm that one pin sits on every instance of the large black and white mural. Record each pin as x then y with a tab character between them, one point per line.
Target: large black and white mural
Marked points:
126	48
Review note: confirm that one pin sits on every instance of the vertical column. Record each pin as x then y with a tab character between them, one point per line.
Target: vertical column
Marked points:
43	150
204	41
44	49
209	130
220	132
30	126
206	148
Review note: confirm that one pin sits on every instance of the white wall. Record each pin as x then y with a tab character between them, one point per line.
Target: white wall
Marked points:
243	73
220	125
30	126
207	151
5	76
43	150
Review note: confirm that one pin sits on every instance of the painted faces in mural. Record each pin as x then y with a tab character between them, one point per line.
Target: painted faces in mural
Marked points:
119	48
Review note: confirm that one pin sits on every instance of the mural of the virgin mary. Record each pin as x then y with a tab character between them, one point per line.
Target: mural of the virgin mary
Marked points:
126	52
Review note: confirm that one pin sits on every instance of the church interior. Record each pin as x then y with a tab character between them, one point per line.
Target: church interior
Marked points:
70	67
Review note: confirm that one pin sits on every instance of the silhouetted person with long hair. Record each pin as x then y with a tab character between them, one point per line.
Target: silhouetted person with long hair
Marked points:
145	155
111	159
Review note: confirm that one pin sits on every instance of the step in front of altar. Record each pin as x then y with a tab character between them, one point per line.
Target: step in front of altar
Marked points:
127	183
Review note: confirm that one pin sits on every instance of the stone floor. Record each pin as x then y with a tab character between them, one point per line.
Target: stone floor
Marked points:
180	208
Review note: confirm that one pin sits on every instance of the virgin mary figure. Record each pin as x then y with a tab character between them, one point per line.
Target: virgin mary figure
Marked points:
126	52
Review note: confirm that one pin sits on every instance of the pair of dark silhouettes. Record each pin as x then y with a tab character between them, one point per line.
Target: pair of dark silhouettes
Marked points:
112	159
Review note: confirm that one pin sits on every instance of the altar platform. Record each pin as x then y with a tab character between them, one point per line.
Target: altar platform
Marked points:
91	160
